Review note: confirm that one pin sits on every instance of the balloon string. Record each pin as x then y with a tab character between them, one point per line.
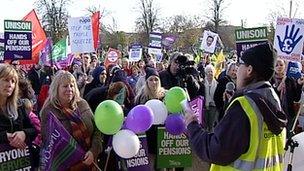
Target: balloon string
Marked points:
97	166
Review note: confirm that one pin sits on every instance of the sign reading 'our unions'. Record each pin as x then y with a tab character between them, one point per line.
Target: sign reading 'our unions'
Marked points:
17	39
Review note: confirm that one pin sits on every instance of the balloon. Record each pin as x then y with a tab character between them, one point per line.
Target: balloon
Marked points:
173	99
125	143
159	111
175	124
109	117
139	119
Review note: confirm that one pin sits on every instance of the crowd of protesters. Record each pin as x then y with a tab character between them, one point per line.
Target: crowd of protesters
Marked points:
74	94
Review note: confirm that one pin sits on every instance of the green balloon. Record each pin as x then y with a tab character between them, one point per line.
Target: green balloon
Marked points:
173	99
109	117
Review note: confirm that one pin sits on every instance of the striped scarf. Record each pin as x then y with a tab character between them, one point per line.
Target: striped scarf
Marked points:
79	129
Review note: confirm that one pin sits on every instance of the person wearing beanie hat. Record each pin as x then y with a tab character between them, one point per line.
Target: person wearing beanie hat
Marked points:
151	90
262	59
151	72
99	79
253	124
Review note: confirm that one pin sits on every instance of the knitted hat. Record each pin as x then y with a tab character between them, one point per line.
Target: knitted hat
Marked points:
151	71
262	59
119	75
97	71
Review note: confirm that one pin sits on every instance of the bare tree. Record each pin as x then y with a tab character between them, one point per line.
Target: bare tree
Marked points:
147	21
217	10
54	17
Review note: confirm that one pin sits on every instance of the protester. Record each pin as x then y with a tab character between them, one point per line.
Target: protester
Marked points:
219	99
75	115
117	88
288	90
133	78
211	114
151	90
16	129
251	135
99	79
27	100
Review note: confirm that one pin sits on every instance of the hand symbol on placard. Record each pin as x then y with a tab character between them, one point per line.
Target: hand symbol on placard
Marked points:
290	41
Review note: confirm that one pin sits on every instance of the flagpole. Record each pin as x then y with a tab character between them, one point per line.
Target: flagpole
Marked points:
290	8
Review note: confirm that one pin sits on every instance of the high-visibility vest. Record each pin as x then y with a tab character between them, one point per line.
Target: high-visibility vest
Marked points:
266	150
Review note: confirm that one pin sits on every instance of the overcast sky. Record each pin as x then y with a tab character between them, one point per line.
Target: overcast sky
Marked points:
253	12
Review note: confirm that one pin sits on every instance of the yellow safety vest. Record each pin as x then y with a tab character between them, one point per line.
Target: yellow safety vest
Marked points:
266	149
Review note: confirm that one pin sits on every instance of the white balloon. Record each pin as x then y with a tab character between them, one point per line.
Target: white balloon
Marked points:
125	143
298	159
159	109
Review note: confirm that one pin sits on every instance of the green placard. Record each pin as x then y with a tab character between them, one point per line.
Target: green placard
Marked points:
172	151
16	25
251	34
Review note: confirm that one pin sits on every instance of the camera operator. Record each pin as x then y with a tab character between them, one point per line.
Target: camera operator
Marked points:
181	72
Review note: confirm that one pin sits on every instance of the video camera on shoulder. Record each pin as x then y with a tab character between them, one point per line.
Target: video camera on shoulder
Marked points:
186	67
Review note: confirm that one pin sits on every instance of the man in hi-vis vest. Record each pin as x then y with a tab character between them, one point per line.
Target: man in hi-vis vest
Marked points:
251	135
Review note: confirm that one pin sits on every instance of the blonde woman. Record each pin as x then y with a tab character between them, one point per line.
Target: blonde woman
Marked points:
15	127
151	90
75	115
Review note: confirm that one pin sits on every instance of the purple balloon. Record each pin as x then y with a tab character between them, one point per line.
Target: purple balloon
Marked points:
175	124
139	119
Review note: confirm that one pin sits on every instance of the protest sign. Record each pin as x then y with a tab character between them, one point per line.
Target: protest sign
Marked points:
172	150
196	105
15	159
155	45
209	41
249	37
17	39
288	38
135	53
112	57
140	162
81	34
60	151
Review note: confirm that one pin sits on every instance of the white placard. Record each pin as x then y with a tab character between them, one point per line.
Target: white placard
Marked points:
209	41
81	34
288	39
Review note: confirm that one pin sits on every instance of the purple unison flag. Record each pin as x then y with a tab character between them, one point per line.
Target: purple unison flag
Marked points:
60	151
63	63
196	106
46	53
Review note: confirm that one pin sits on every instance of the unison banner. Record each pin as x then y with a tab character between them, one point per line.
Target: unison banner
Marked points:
60	151
172	150
17	39
15	159
249	37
